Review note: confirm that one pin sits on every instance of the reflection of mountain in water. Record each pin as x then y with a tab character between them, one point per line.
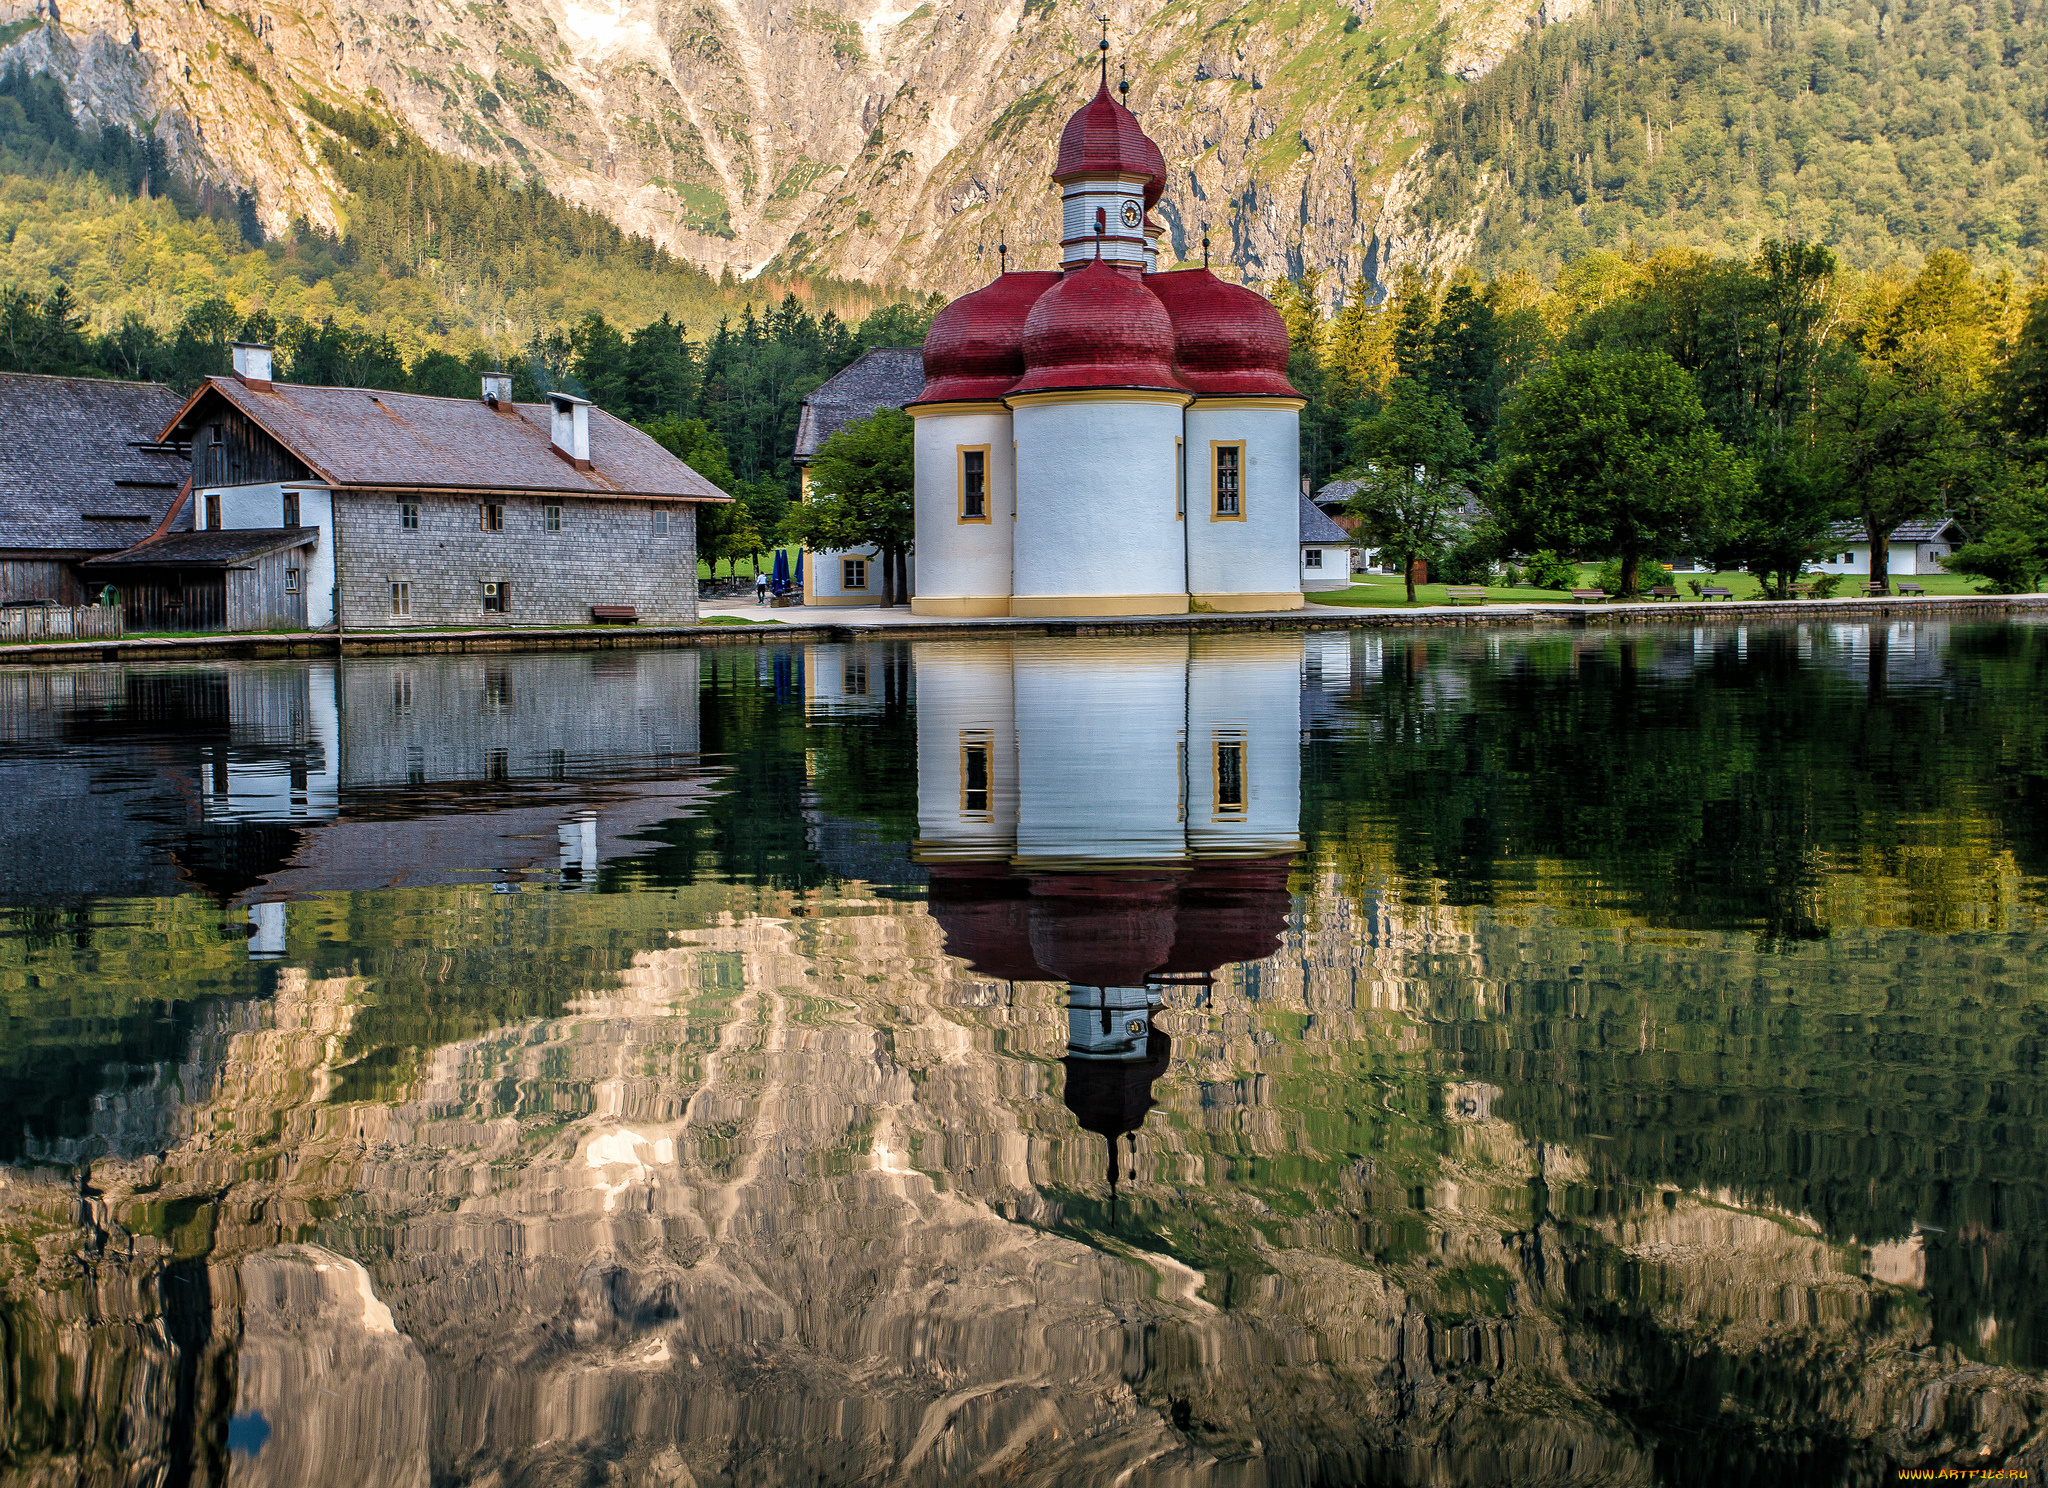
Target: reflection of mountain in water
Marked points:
714	1184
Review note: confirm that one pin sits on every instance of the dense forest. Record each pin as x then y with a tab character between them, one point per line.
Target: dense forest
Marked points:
1684	402
434	255
1883	128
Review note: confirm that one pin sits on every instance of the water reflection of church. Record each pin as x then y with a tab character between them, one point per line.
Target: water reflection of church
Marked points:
1120	817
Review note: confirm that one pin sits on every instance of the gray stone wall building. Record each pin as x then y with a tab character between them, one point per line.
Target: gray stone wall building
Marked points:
413	559
399	511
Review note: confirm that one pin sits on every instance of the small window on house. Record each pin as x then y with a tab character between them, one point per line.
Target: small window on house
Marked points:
409	515
854	573
1229	481
401	597
974	485
491	517
1230	792
291	508
1311	557
291	581
497	597
551	518
661	522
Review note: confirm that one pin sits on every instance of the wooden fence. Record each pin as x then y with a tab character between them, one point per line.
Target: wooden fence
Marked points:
52	623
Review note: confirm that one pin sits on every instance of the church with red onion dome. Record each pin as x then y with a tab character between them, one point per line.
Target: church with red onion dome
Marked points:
1107	439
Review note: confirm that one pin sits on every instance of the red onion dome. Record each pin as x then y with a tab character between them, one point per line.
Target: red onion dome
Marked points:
1230	912
1103	139
984	912
1101	930
1228	340
1155	184
1099	328
975	348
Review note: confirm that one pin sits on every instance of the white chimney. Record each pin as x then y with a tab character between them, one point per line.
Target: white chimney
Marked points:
572	428
252	363
498	389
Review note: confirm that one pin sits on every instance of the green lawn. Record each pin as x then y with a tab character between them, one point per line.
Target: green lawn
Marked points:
1387	590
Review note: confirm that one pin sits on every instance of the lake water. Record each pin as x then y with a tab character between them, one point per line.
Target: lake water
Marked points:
1377	1057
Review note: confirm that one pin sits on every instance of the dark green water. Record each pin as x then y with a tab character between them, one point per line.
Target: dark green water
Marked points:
1370	1058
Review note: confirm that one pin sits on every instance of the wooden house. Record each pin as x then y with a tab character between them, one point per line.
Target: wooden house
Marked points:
81	474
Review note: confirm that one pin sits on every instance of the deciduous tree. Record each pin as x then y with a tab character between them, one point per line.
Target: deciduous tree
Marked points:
1612	453
862	495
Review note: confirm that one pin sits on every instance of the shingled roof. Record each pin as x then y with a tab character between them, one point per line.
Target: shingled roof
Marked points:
364	438
227	547
886	377
71	477
1925	529
1316	527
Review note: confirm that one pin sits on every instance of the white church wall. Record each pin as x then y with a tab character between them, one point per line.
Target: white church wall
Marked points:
1244	699
966	750
1252	563
967	561
1096	484
1100	726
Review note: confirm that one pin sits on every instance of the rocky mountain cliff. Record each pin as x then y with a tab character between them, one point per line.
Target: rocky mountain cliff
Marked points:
879	143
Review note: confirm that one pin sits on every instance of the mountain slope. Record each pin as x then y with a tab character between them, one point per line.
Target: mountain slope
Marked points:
888	145
1876	128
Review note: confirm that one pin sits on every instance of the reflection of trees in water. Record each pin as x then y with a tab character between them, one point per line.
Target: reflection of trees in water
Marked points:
1744	782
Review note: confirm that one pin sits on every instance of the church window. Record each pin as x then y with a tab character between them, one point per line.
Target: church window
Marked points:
853	573
974	775
974	483
1227	480
1230	786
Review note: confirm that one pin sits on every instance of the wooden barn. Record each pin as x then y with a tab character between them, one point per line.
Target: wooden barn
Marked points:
81	474
232	579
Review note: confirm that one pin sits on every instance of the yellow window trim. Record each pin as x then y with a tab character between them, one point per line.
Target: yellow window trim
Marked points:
1214	494
982	740
1232	740
960	454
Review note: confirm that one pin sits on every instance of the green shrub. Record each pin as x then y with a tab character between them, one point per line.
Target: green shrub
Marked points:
1549	571
1650	574
1824	585
1511	576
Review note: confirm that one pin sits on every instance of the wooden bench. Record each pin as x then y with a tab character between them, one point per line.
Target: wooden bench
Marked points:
1905	588
1465	593
1710	592
1664	591
1802	591
614	615
1875	589
1589	596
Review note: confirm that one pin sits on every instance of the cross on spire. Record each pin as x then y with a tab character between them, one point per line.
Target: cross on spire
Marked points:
1103	47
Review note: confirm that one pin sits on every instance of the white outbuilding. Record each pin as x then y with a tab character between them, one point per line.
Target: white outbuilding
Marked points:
1914	547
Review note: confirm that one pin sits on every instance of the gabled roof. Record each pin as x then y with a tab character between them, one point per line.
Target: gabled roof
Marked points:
71	476
362	437
225	547
886	377
1926	529
1316	527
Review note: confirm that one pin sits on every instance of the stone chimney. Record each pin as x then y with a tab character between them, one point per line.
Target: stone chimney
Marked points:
498	390
572	428
252	365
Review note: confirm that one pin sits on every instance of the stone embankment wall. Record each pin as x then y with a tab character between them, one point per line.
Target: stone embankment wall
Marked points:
800	626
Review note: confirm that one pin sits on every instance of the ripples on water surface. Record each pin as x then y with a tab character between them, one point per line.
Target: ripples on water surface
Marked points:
1358	1058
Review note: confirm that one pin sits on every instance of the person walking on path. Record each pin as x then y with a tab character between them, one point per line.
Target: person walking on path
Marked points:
760	589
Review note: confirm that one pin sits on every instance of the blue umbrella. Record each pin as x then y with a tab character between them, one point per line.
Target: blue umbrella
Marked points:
779	580
799	568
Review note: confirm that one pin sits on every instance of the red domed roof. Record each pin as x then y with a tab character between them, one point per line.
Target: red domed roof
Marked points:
1101	930
1099	328
975	348
1228	340
1103	139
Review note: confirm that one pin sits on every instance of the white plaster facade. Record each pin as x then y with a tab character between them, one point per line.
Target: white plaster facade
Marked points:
263	506
1246	563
